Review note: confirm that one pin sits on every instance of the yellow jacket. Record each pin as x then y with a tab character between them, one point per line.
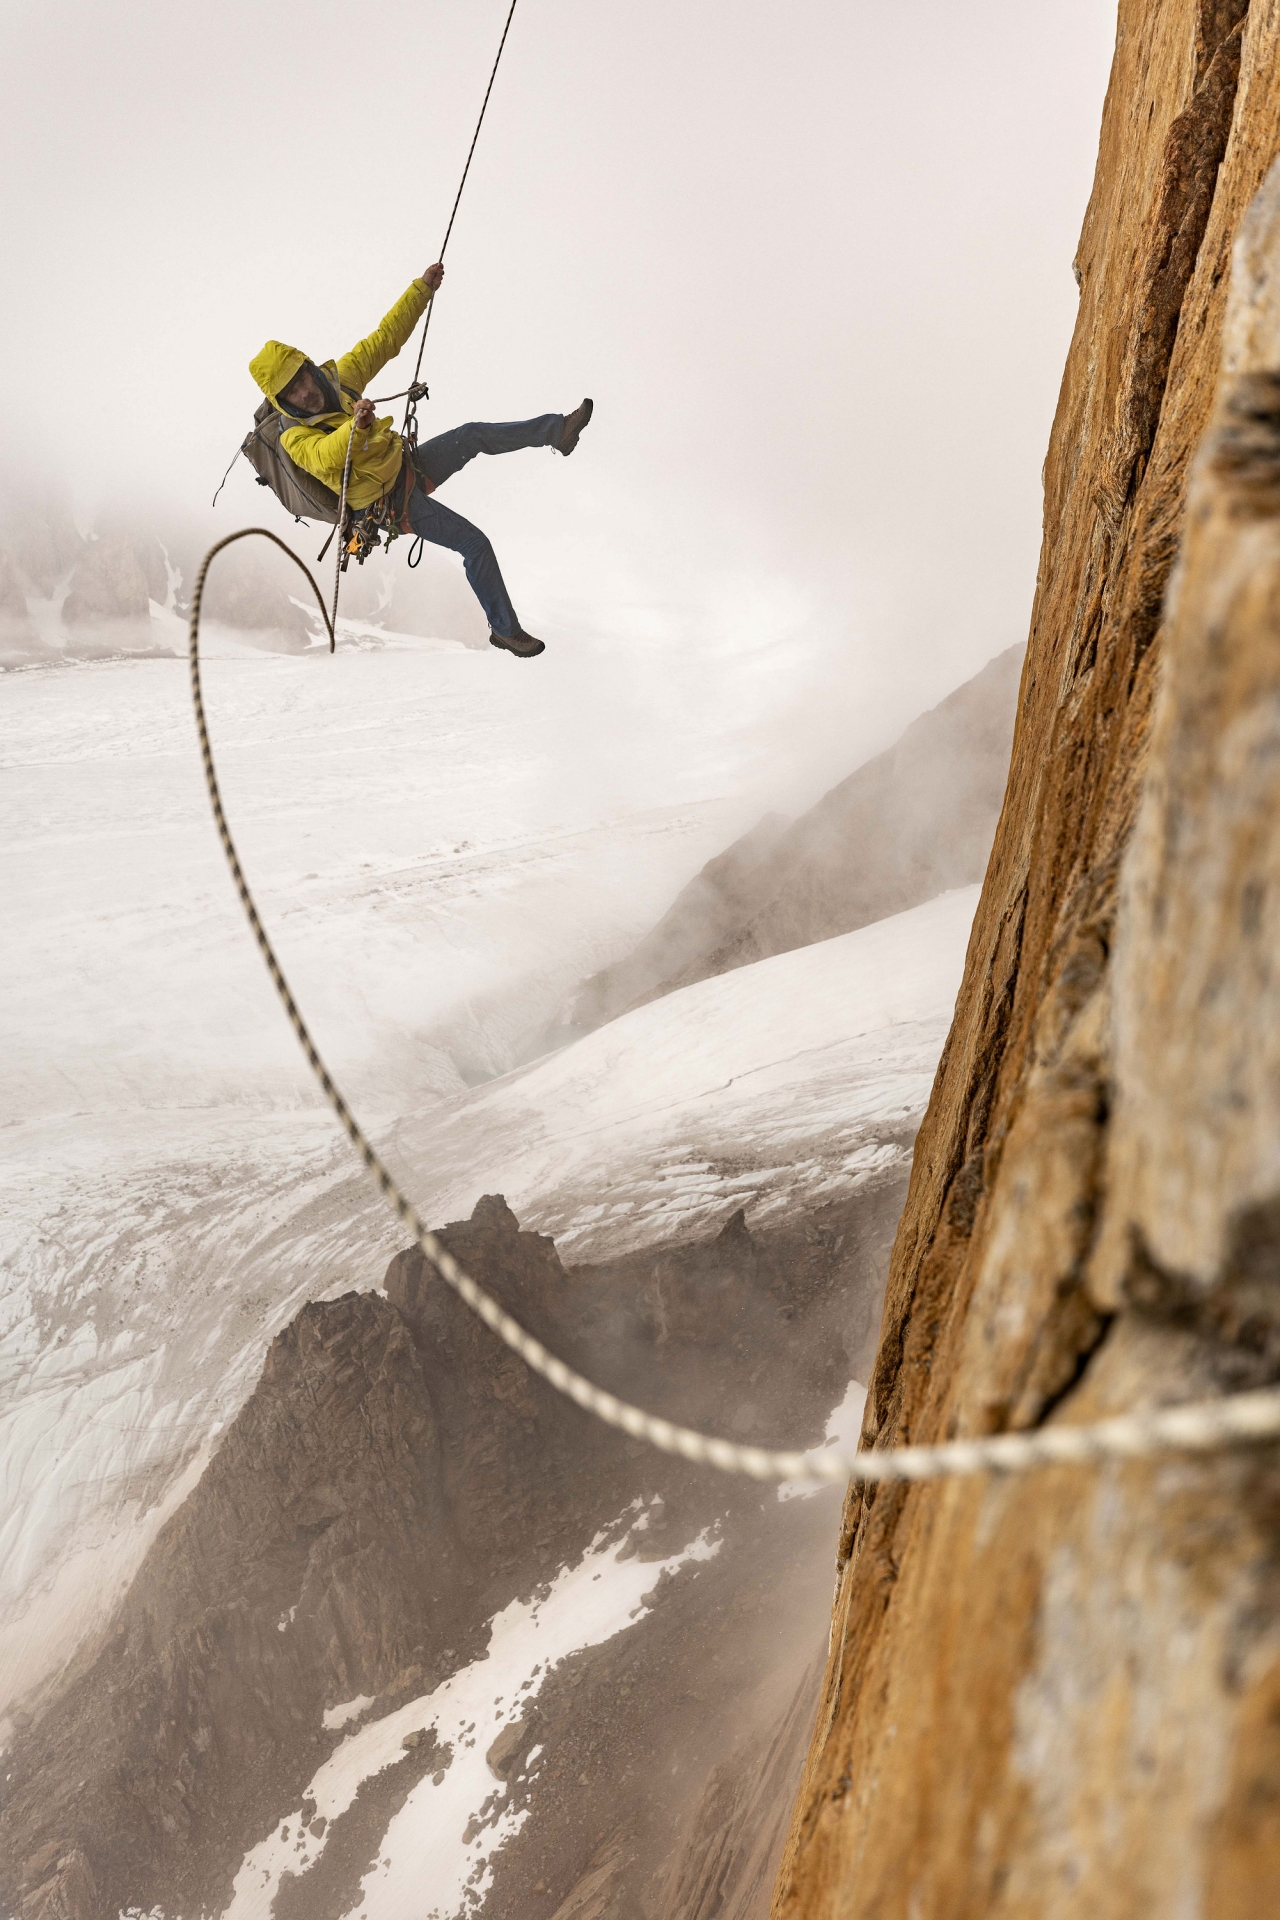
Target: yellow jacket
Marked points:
319	441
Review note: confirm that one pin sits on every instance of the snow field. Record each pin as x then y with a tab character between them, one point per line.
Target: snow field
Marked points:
153	1298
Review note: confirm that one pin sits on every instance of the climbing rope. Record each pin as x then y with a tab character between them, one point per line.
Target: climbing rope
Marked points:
1197	1428
332	621
416	391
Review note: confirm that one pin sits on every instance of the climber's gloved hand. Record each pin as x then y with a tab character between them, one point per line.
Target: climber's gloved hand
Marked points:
432	277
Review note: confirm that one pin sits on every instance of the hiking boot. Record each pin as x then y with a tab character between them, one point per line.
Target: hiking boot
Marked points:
573	424
521	643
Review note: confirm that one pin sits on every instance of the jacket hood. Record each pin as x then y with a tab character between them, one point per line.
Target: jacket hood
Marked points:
275	366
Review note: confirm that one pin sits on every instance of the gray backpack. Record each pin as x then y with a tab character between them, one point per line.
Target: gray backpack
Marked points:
293	486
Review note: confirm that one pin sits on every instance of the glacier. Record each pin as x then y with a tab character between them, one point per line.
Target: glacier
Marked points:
440	858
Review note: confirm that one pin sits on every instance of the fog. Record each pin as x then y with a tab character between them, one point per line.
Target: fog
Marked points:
812	262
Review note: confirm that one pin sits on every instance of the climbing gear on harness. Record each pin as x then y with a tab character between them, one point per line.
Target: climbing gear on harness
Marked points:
381	523
573	425
360	533
519	642
1236	1419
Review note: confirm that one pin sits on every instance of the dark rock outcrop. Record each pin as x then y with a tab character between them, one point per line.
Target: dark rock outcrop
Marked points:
19	642
726	1866
253	591
109	583
41	539
316	1561
671	1755
905	827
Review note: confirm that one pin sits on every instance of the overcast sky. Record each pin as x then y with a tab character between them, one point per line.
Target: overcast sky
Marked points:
812	260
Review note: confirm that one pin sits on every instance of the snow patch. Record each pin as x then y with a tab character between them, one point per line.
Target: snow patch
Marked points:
843	1430
434	1860
338	1716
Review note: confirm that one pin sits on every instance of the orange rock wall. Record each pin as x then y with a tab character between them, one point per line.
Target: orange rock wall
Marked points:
1060	1695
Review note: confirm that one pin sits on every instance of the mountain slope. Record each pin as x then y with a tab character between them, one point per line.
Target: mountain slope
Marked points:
777	1087
791	1085
910	824
420	1601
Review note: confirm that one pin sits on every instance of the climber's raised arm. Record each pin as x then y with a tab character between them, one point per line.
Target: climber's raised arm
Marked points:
369	356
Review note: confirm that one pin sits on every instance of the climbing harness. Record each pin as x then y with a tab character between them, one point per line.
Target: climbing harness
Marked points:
1202	1427
358	537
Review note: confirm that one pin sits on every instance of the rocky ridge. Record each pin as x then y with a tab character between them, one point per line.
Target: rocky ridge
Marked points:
68	596
395	1479
909	825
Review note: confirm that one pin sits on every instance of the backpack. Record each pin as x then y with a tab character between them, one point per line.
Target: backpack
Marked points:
292	485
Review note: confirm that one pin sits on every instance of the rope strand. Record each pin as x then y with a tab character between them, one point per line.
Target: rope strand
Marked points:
409	430
341	531
1237	1419
415	391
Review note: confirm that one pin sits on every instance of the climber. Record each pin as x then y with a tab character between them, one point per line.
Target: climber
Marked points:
326	402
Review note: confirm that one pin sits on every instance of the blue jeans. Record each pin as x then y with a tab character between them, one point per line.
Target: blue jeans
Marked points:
439	459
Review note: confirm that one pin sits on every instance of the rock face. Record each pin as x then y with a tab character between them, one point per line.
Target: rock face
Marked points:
298	1576
905	827
19	641
1058	1695
109	583
112	578
106	609
40	536
395	1479
726	1868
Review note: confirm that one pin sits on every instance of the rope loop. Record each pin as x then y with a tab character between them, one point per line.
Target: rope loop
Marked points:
1238	1419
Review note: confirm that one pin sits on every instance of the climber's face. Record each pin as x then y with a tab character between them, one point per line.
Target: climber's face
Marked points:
304	394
